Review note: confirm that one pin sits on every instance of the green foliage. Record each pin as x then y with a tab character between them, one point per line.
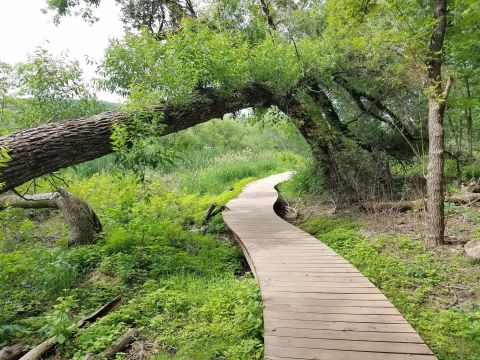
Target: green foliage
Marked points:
307	181
183	286
55	87
198	56
60	321
4	160
410	277
45	88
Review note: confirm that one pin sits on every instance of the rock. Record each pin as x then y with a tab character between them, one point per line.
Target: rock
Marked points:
472	248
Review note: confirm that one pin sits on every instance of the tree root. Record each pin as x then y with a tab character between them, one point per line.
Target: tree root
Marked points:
37	352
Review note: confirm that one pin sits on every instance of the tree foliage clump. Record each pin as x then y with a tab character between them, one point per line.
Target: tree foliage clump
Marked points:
44	89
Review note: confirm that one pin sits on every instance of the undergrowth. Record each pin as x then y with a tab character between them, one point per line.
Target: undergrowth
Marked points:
184	287
412	278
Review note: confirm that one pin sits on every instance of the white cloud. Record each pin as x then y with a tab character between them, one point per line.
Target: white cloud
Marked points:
23	27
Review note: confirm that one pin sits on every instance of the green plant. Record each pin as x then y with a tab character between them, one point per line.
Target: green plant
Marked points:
60	322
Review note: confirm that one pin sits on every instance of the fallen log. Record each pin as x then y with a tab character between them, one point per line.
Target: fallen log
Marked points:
419	204
104	310
37	352
119	345
460	199
208	213
80	217
401	206
13	352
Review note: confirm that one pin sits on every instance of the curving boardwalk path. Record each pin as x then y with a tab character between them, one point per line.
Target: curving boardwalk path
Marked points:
316	304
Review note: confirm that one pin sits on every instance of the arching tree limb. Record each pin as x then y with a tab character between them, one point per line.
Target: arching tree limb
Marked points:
357	95
51	147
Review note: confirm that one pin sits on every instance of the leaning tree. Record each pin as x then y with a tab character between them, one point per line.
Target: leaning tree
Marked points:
348	75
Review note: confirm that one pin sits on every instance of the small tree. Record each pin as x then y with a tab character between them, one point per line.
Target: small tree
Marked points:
437	97
6	80
51	89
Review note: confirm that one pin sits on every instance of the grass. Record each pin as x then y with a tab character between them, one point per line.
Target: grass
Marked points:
185	288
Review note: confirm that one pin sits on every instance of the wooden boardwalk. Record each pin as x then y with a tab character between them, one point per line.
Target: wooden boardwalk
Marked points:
316	304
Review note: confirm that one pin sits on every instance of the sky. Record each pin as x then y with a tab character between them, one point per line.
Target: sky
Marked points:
23	28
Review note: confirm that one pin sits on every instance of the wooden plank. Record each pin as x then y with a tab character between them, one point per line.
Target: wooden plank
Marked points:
309	285
283	352
376	336
321	270
329	303
329	344
319	289
319	260
291	315
322	296
314	275
316	309
293	277
271	323
316	304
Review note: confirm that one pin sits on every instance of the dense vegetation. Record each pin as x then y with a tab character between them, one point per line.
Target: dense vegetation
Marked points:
372	102
182	283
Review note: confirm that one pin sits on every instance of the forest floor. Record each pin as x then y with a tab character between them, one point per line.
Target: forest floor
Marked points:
437	290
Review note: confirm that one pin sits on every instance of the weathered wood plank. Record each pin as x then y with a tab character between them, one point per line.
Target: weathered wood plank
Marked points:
282	352
349	345
345	335
271	323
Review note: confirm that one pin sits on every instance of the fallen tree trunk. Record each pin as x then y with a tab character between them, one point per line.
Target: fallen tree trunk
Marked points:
401	206
36	201
419	204
80	217
37	352
13	352
119	345
51	147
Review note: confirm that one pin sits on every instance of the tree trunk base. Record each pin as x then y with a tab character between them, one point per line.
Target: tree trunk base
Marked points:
80	217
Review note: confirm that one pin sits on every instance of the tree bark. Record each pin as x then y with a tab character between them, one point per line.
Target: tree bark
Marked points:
468	113
51	147
436	110
80	217
13	352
